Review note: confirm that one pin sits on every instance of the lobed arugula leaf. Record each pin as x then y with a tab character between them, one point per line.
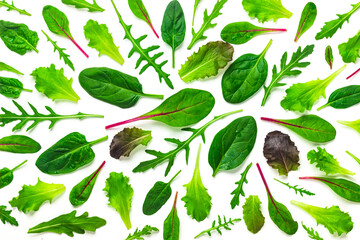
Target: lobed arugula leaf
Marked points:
11	7
5	216
147	230
222	223
312	233
297	189
235	201
94	7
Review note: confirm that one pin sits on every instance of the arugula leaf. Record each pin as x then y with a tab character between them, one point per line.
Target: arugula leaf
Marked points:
302	96
53	84
335	220
330	28
349	50
326	162
287	70
69	223
6	217
235	201
120	194
172	224
197	199
199	35
94	7
307	19
301	191
11	87
6	175
253	217
5	67
19	144
343	97
266	10
147	230
207	61
138	9
329	56
222	224
195	7
125	141
312	233
11	7
32	197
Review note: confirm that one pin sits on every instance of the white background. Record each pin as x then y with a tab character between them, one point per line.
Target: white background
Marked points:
219	187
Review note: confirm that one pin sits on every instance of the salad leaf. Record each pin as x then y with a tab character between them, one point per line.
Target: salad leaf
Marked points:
195	7
11	7
329	56
232	144
172	224
266	10
281	153
302	96
221	224
253	217
307	19
235	201
69	223
335	220
19	144
312	233
6	217
138	9
349	50
120	194
173	27
245	76
5	67
354	157
343	97
207	23
101	40
53	84
94	7
301	191
81	192
353	124
68	154
147	230
6	175
32	197
186	107
125	141
11	87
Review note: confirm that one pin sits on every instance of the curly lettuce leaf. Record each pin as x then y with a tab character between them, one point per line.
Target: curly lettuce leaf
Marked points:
253	217
349	50
266	10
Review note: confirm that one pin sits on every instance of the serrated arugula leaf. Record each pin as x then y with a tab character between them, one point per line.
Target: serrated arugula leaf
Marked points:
5	216
222	223
253	217
312	233
297	189
94	7
5	67
11	7
147	230
235	201
349	50
329	56
266	10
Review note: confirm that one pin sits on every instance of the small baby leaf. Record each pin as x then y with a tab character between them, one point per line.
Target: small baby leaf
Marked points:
312	233
307	19
6	217
147	230
343	97
19	144
297	189
253	217
138	9
329	56
6	175
5	67
11	87
172	224
235	201
353	124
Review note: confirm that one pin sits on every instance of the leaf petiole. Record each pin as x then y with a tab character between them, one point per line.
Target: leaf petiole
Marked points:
12	170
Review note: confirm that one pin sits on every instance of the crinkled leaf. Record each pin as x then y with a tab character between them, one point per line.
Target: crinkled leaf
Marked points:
349	50
147	230
329	58
5	216
344	97
94	7
19	144
266	10
11	87
235	201
253	217
307	19
5	67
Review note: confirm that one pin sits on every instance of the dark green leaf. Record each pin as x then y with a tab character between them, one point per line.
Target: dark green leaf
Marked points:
94	7
11	87
344	97
329	56
19	144
6	217
5	67
307	19
6	175
235	201
172	224
147	230
253	217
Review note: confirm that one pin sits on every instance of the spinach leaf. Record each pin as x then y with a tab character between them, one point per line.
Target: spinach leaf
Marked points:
244	77
157	196
353	124
231	145
6	175
138	9
253	217
222	223
207	61
307	19
173	27
310	127
11	87
81	192
19	144
94	7
5	67
235	201
68	154
11	7
343	97
186	107
329	58
172	224
113	86
147	230
349	50
6	217
266	10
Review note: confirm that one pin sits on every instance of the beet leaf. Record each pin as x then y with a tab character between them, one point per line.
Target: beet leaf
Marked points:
138	9
307	19
329	58
171	224
19	144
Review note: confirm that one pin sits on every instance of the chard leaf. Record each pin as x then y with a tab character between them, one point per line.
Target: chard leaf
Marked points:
326	162
335	220
302	96
349	50
94	7
53	84
207	61
138	9
329	56
69	223
11	7
147	230
266	10
281	153
32	197
307	19
223	223
197	199
11	87
343	97
253	217
353	124
5	67
235	201
312	233
5	216
6	175
172	224
120	194
19	144
101	40
127	140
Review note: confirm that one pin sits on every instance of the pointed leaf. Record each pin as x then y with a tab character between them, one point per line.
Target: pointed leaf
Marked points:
253	216
344	97
172	224
139	10
19	144
307	19
5	67
235	201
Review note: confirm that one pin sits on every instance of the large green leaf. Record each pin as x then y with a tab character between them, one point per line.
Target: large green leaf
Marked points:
266	10
19	144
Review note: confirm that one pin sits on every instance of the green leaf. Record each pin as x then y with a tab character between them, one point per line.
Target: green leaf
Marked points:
11	7
242	32
94	7
287	70
157	196
161	157
312	233
138	9
207	61
235	201
81	192
297	189
173	26
62	54
147	230
32	197
330	28
253	217
5	67
6	175
195	7
19	144
222	224
199	35
144	53
6	217
353	124
18	37
54	84
335	220
68	154
197	199
101	40
184	108
244	77
343	97
172	224
326	162
329	56
113	86
232	144
120	194
11	87
349	50
37	117
310	127
125	141
266	10
69	223
302	96
307	19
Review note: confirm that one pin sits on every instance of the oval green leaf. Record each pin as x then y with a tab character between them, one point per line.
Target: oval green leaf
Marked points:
307	19
19	144
344	97
6	175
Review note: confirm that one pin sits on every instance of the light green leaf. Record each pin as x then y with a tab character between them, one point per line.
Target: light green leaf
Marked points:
147	230
139	10
349	50
253	216
266	10
353	124
5	67
11	7
312	233
94	7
